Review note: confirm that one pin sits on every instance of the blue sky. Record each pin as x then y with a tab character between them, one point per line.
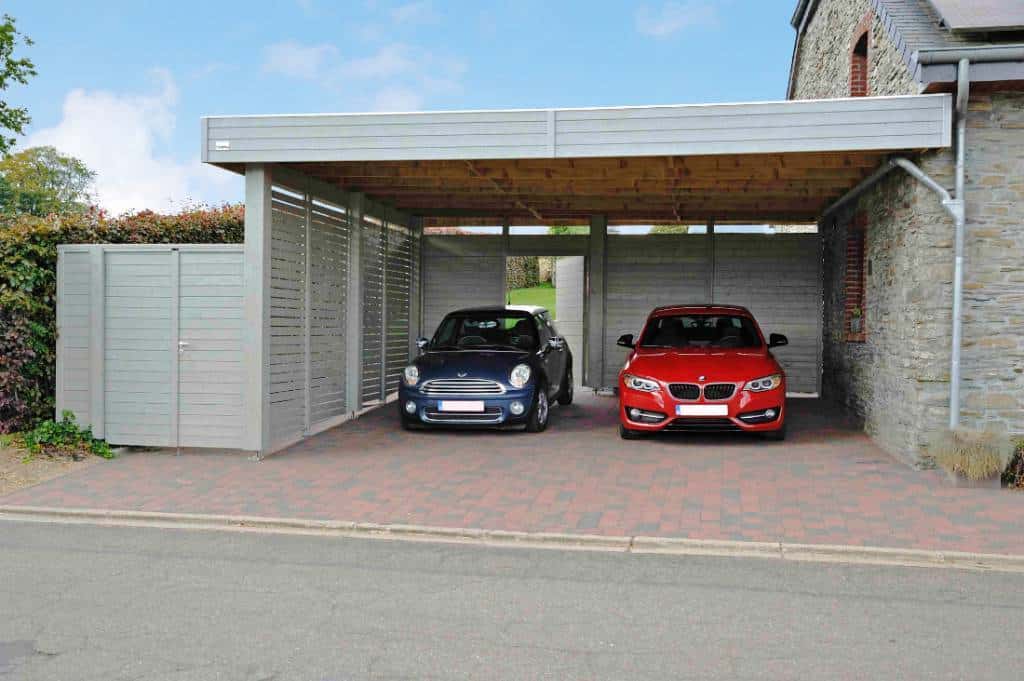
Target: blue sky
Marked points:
122	85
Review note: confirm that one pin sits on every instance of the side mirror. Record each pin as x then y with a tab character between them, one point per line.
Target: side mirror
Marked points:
625	340
422	343
777	340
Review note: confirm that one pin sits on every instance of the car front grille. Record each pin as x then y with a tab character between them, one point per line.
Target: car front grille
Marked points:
488	415
692	391
719	391
684	391
702	425
456	387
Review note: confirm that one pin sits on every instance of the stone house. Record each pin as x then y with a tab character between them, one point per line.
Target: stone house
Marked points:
889	253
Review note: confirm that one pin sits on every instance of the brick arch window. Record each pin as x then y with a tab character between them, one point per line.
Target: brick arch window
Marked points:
859	67
855	281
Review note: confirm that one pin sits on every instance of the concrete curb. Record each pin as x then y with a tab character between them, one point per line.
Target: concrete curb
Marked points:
817	553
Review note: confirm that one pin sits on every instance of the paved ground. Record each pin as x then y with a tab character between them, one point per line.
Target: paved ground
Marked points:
118	604
827	484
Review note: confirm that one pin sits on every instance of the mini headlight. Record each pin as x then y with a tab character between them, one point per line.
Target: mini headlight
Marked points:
520	376
642	384
759	385
411	375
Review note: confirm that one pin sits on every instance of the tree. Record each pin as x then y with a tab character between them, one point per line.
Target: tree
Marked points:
12	70
670	229
41	180
568	229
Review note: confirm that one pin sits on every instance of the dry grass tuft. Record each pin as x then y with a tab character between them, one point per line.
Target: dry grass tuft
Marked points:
974	454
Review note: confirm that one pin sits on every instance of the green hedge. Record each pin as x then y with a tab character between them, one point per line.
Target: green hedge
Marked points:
28	277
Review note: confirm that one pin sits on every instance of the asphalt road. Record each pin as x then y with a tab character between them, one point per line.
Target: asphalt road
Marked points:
80	602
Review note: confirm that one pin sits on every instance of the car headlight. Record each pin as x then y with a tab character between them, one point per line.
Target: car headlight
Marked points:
759	385
520	375
642	384
411	375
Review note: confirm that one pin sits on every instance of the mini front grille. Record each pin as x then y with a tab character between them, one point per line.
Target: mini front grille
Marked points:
719	391
454	387
489	415
684	391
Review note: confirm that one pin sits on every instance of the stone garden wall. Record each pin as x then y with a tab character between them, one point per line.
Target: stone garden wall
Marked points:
896	381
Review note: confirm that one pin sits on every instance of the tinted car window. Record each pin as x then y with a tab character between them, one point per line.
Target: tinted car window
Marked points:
719	331
486	330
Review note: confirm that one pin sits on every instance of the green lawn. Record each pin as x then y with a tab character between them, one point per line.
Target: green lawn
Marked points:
543	295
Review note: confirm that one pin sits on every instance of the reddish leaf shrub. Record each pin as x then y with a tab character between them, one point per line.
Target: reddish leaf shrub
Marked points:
28	290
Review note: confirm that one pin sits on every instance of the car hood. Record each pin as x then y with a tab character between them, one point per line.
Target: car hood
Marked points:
493	364
702	365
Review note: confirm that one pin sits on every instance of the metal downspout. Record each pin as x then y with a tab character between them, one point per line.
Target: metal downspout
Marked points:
957	208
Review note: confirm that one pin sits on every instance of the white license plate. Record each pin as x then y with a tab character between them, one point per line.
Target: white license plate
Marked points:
464	406
702	410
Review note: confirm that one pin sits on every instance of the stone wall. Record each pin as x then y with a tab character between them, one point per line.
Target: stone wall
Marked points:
823	65
897	380
993	349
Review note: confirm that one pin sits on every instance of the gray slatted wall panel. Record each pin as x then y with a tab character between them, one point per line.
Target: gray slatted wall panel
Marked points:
398	287
211	373
329	254
287	321
373	262
569	306
73	331
778	278
460	272
643	273
139	348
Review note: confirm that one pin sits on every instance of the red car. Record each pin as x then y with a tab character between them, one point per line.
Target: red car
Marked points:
702	368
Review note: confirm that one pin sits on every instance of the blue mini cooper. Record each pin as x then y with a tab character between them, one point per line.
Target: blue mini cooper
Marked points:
488	366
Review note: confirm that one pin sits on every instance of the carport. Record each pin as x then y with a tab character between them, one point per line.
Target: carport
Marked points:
344	267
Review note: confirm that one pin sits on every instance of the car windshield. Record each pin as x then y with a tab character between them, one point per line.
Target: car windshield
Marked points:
507	330
697	330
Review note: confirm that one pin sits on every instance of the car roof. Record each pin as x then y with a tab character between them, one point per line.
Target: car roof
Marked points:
705	308
526	309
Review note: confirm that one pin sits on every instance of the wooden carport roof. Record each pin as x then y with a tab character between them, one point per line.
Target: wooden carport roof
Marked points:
775	161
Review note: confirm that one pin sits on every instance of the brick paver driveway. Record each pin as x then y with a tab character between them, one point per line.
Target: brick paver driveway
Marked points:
827	484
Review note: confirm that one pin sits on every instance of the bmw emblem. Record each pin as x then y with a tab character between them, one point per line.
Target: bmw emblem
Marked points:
701	378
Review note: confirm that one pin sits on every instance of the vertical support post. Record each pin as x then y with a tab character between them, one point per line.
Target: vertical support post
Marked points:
712	262
97	324
176	348
505	231
354	313
307	308
596	292
386	250
58	398
416	283
258	221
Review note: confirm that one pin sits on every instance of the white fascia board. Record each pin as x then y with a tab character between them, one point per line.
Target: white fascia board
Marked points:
792	126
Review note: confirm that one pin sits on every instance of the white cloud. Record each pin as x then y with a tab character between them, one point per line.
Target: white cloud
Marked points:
397	77
397	99
388	61
419	12
121	137
673	17
293	59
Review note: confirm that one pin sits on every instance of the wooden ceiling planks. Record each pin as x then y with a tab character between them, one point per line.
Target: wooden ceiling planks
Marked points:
729	188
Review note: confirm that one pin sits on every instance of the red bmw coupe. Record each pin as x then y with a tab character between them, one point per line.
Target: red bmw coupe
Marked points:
702	368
